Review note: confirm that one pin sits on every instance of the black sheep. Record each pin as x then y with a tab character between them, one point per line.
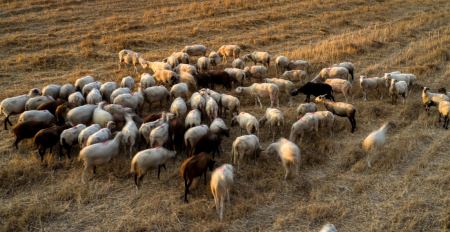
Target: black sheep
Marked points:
315	89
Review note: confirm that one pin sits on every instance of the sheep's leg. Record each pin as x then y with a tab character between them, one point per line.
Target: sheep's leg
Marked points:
83	175
259	101
16	142
7	121
94	169
136	182
228	195
41	152
221	208
186	189
159	170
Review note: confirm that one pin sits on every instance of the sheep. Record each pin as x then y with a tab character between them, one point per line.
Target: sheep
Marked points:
444	111
212	77
178	107
176	134
156	94
406	77
179	90
281	64
156	66
16	105
127	82
315	89
258	90
349	66
133	101
101	135
289	154
221	182
48	138
376	139
193	167
211	108
34	102
145	160
172	61
118	92
61	112
215	95
285	86
188	79
237	74
27	129
99	154
159	136
211	142
76	99
218	126
341	86
340	109
185	68
298	65
129	57
326	120
432	99
146	128
106	89
94	97
214	58
147	80
82	81
51	90
182	57
81	114
328	228
195	50
238	63
69	137
398	88
306	108
371	83
83	136
51	106
229	51
230	103
193	118
130	133
246	121
197	101
166	77
37	116
256	72
275	118
308	123
258	57
66	90
192	136
333	72
203	64
88	87
245	145
295	75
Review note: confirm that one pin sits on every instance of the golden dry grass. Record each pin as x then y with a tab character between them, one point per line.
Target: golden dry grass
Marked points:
407	189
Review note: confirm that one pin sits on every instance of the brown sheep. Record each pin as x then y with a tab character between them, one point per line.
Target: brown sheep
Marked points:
27	129
48	138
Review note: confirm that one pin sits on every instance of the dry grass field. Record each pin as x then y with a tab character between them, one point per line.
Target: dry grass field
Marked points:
407	188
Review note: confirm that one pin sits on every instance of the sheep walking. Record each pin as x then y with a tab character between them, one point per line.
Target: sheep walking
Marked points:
275	119
281	64
246	121
285	86
339	108
229	51
221	183
341	86
128	57
295	76
430	99
245	146
398	88
258	57
373	83
376	139
444	112
308	123
258	90
289	154
304	108
195	50
238	63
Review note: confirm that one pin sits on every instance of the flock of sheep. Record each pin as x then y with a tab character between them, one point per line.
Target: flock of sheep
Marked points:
106	119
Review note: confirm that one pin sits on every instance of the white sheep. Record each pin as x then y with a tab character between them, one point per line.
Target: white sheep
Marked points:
159	135
203	64
298	65
211	108
146	128
66	90
341	86
130	134
229	51
444	111
326	120
76	99
129	57
147	80
101	135
285	86
172	61
94	97
376	139
295	75
88	87
195	50
182	57
101	116
373	83
281	64
328	228
155	94
398	88
82	81
238	63
215	95
166	77
107	89
156	66
128	82
245	146
145	160
432	99
133	101
275	119
34	102
193	118
36	115
230	103
256	71
81	114
289	154
308	123
186	68
258	90
118	92
99	154
258	57
237	74
69	137
192	136
247	122
188	79
333	72
179	90
197	101
304	108
51	90
86	132
218	126
406	77
178	107
214	58
221	183
16	105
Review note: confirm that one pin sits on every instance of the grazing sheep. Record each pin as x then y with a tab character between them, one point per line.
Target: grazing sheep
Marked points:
16	105
289	154
172	61
81	114
341	86
133	101
432	99
193	167
193	118
99	154
230	103
27	129
37	116
117	92
406	77
298	65
165	77
118	112
245	146
69	137
281	64
211	93
155	94
308	123
315	89
212	77
130	134
147	80
188	79
83	136
340	109
257	72
178	107
145	160
186	68
326	120
147	127
156	66
182	57
34	102
211	142
101	135
349	66
376	139
218	126
229	51
444	111
398	88
61	112
48	138
76	99
129	57
258	90
211	108
237	74
238	63
285	86
246	121
179	90
197	101
221	182
306	108
66	90
214	58
333	72
89	87
51	106
192	136
328	228
51	90
295	75
159	136
258	57
101	116
82	81
106	89
275	118
127	82
203	64
373	83
195	50
94	97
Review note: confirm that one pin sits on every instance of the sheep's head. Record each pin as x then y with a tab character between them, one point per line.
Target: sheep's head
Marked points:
239	90
320	98
234	121
361	78
34	92
425	89
262	121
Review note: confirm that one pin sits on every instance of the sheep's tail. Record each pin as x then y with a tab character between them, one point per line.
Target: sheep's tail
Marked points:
134	168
